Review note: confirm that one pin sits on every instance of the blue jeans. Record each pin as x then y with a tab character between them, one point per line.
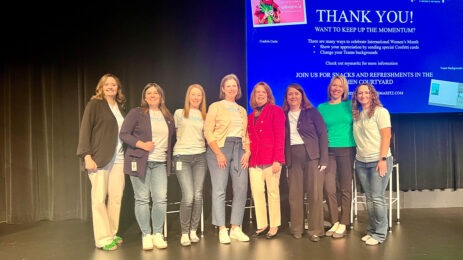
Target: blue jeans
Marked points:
154	183
375	192
191	179
233	151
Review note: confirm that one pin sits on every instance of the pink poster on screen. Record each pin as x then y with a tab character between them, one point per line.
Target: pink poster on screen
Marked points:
278	12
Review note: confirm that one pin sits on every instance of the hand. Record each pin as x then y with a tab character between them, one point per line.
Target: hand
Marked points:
221	160
321	167
90	164
148	146
381	168
245	160
276	167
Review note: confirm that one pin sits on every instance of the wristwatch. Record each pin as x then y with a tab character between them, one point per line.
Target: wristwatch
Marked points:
383	158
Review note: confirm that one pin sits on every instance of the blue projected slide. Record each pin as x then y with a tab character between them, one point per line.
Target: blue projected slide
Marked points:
410	50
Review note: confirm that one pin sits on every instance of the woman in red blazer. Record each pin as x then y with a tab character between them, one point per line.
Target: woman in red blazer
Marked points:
266	128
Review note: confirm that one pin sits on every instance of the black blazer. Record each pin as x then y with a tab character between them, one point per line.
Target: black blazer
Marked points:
311	127
137	126
98	132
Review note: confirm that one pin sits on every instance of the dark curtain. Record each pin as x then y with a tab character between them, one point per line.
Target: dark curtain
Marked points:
50	66
40	120
429	149
49	70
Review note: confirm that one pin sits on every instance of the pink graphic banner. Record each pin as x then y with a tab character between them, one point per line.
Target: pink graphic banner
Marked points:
278	12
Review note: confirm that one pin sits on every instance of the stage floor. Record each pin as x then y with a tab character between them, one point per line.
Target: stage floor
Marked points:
421	234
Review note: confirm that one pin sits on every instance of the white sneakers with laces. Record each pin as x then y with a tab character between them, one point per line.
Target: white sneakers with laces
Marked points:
372	242
365	238
185	240
223	236
333	229
147	241
194	237
158	241
237	233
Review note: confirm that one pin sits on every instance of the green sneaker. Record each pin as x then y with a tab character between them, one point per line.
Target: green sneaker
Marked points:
118	240
109	247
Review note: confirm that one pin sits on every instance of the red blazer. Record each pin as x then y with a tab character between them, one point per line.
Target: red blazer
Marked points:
267	136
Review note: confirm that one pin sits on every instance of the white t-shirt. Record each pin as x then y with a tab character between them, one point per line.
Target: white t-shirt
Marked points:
119	154
190	135
367	134
294	136
160	134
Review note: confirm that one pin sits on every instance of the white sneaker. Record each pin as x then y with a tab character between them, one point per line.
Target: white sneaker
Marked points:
332	229
365	238
194	237
372	242
158	241
147	241
185	240
238	234
223	236
340	232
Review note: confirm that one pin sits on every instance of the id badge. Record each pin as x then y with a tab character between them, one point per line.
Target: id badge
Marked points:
134	166
178	166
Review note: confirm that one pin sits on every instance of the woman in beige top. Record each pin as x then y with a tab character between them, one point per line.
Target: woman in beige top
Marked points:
228	155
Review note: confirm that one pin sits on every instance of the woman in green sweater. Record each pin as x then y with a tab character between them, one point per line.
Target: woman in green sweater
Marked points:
337	114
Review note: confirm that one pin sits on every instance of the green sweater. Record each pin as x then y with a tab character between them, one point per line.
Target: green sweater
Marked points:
338	120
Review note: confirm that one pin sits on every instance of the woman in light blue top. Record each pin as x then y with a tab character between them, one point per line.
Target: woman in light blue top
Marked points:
190	160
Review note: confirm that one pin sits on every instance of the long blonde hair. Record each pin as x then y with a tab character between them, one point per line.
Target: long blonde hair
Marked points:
202	105
374	98
99	94
162	103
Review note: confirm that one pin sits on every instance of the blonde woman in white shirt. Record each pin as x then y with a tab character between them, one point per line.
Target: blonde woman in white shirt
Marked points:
190	161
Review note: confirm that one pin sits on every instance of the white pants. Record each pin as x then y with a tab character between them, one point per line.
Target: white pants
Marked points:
107	182
260	178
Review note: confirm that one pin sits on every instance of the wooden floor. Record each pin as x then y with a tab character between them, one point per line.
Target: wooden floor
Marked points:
421	234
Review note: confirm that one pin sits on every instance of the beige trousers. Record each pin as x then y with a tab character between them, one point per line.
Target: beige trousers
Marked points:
107	182
259	178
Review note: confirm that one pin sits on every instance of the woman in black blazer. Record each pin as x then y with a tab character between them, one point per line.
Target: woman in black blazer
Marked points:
148	134
306	149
